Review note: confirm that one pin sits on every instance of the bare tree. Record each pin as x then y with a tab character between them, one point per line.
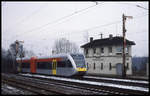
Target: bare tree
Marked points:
6	63
18	52
64	46
4	53
28	53
15	50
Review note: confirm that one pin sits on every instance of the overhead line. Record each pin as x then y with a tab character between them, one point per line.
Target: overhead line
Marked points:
138	32
88	28
115	22
135	5
34	12
103	25
60	19
141	7
112	23
27	17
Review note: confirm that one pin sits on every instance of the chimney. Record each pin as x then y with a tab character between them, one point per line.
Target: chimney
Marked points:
101	35
91	39
110	36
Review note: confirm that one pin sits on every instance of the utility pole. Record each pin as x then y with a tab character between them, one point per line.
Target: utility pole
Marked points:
124	45
16	43
17	47
21	58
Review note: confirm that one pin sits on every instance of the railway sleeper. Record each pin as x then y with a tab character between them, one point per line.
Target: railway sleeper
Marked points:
30	87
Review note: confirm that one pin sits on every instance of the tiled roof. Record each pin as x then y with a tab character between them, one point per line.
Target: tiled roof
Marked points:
107	41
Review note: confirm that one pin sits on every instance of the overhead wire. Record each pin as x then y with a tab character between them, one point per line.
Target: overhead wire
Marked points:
108	24
76	13
57	20
134	5
33	13
138	32
28	16
141	7
95	26
115	22
88	28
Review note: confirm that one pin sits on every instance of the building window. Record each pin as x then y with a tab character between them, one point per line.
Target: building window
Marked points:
102	50
87	66
94	66
110	67
86	51
110	49
101	66
94	50
127	50
120	49
127	66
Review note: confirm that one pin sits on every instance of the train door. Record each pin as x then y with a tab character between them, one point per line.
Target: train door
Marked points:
54	66
32	65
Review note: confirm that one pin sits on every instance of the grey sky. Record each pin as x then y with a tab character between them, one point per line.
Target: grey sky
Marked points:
27	21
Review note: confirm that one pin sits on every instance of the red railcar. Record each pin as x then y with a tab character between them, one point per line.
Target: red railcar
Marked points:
64	64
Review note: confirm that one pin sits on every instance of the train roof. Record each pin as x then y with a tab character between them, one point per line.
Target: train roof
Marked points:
58	55
24	58
53	56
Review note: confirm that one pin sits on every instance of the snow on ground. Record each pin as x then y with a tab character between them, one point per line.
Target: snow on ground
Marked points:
91	82
7	90
123	80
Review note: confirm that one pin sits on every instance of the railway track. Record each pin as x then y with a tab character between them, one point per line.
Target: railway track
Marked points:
44	87
105	89
129	82
10	90
40	85
26	85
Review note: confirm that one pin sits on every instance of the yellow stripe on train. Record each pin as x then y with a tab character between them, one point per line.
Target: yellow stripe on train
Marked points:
81	69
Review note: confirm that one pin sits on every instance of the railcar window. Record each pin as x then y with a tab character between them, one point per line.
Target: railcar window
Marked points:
79	60
44	65
61	64
68	63
26	65
50	65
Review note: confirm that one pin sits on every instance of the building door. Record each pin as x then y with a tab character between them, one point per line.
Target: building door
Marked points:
119	69
54	66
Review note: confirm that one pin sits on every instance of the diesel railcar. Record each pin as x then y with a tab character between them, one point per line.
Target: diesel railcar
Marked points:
61	64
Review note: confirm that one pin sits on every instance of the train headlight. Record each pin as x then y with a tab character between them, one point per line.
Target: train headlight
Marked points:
81	69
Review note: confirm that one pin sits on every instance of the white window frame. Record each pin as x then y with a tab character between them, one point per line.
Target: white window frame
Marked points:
121	48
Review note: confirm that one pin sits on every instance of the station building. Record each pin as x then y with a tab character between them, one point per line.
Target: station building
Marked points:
104	56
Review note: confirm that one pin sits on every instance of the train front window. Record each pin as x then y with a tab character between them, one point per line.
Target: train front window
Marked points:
79	60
